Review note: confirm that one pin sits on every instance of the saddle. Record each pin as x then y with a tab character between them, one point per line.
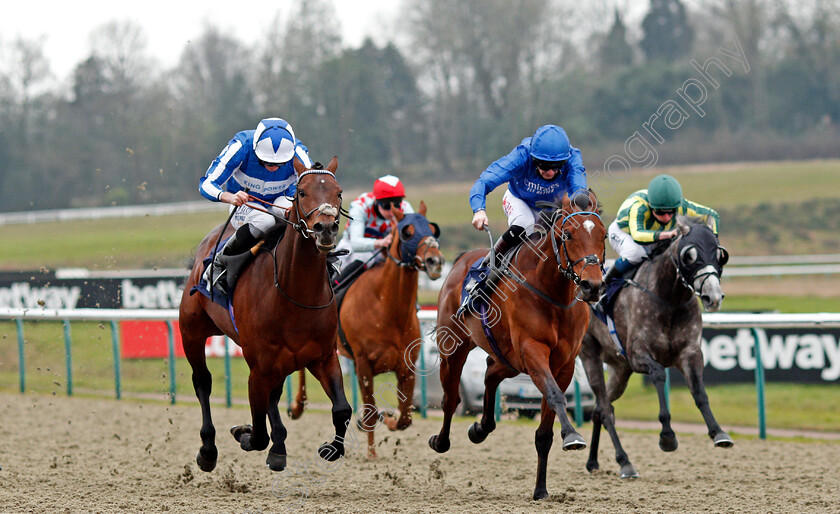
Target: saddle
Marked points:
477	280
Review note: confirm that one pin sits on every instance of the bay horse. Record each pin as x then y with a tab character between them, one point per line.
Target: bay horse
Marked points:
285	320
378	318
659	323
539	318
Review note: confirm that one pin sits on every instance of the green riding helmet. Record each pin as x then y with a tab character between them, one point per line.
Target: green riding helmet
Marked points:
664	192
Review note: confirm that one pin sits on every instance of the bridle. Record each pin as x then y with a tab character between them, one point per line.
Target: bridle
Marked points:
301	226
591	259
568	272
418	262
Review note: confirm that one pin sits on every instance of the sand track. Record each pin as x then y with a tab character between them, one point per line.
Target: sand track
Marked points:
88	455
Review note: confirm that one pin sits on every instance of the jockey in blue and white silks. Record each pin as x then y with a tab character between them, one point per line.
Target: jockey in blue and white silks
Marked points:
258	163
543	167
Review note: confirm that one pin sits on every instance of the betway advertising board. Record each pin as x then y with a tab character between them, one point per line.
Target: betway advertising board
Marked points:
787	354
111	290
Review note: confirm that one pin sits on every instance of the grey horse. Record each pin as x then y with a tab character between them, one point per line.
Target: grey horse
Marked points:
658	320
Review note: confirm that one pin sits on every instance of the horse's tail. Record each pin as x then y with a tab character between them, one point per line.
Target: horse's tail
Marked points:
189	262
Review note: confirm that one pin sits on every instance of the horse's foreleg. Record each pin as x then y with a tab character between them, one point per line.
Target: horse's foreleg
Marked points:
536	356
543	439
692	369
496	372
328	373
619	377
276	459
254	437
594	366
368	418
667	438
450	378
203	385
296	410
405	389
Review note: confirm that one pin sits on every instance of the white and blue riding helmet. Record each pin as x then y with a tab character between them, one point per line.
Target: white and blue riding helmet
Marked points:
274	141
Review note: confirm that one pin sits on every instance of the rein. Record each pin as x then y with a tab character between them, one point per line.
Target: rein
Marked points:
303	229
567	272
657	298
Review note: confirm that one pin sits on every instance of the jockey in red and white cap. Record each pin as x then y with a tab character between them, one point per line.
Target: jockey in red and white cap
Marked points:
369	228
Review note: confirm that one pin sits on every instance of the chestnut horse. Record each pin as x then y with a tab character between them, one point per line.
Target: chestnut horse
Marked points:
379	319
536	328
285	320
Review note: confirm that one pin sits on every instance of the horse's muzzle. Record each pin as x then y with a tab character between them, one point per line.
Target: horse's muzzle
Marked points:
589	291
325	236
434	267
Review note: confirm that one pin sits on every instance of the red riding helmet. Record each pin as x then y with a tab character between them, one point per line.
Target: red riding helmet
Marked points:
388	186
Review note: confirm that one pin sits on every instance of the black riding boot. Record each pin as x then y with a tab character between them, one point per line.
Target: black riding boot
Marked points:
510	239
614	273
240	242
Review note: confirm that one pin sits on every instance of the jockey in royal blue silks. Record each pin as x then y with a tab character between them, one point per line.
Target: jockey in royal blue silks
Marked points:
543	167
258	163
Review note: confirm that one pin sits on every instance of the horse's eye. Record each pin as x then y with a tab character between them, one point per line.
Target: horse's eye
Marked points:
722	255
301	193
689	255
567	235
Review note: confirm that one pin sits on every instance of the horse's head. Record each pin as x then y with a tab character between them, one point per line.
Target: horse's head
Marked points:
317	204
418	243
581	235
700	260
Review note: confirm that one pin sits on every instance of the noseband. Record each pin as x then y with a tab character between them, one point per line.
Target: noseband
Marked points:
324	208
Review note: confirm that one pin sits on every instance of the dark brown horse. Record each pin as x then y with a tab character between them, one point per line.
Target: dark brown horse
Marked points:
379	319
539	316
286	319
657	319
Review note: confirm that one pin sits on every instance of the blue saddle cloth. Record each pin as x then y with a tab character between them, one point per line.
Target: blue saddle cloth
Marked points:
217	295
608	301
477	274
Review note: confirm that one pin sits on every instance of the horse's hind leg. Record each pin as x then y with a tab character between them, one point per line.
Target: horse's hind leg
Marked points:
450	378
276	459
496	372
194	343
618	382
296	410
667	437
692	369
328	373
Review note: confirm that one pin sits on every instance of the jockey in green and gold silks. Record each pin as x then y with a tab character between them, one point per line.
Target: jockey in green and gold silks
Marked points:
649	215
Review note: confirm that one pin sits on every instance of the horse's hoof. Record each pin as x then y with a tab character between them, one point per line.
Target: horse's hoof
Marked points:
722	440
275	461
237	431
329	453
206	465
573	441
628	471
476	433
592	466
540	494
668	444
438	445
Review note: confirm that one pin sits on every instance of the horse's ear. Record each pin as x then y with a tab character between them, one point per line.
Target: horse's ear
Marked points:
683	225
422	209
566	203
299	166
582	201
399	214
333	165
